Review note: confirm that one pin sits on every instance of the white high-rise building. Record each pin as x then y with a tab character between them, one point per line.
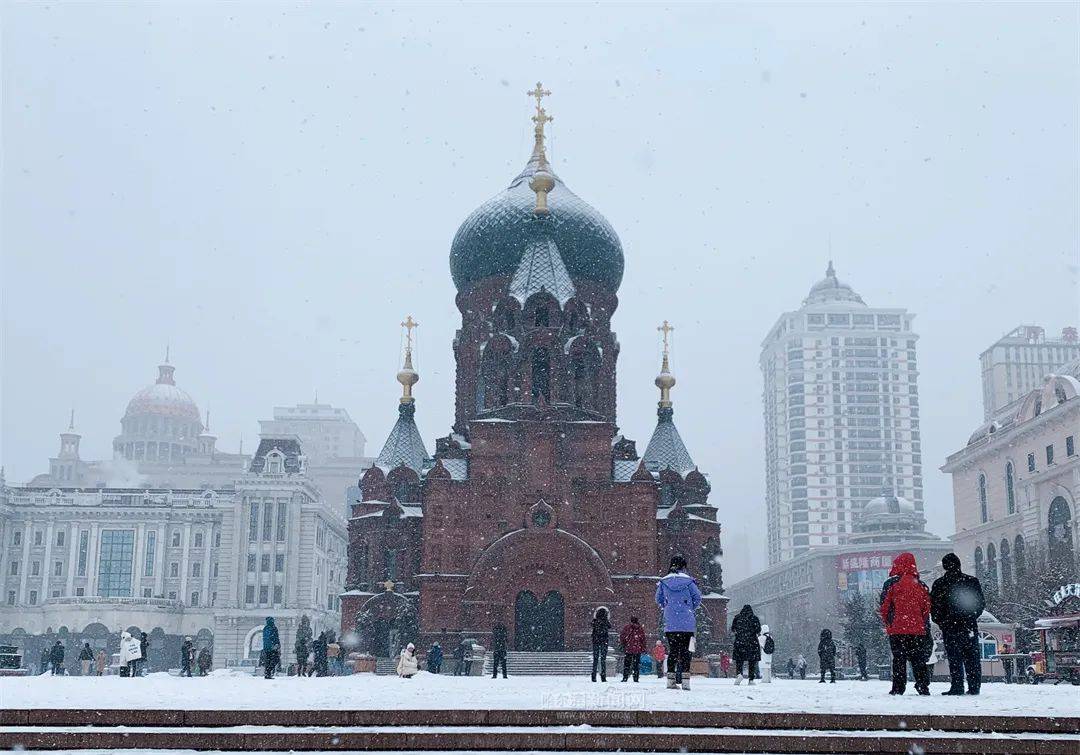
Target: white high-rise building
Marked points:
1017	363
841	411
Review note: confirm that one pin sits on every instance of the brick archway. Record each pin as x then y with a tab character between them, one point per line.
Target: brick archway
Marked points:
540	561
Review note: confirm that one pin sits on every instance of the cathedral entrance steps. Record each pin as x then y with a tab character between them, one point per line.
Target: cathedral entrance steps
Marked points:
551	663
551	738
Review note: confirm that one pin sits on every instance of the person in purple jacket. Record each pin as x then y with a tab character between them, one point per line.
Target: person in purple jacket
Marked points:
678	596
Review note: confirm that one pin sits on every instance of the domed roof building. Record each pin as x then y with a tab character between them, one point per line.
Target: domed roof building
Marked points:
889	519
831	290
161	423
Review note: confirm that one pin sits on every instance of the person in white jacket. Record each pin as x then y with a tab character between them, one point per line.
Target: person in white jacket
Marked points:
768	647
130	653
407	664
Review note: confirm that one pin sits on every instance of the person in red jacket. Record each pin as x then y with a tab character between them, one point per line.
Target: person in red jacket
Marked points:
659	653
905	611
632	638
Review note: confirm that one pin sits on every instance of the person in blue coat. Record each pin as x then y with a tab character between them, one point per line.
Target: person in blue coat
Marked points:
678	596
271	647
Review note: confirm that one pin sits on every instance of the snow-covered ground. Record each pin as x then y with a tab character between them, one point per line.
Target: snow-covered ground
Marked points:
230	690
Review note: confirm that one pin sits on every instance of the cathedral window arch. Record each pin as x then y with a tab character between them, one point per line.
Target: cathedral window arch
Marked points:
493	387
585	373
1010	488
984	514
541	373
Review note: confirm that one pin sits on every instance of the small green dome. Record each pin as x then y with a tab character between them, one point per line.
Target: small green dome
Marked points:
494	237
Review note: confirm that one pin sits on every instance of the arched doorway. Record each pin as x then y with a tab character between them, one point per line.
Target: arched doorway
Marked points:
1059	539
538	624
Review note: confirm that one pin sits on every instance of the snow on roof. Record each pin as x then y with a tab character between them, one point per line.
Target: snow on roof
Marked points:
623	469
458	468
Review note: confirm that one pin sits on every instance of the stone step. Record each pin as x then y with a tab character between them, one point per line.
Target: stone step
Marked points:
546	739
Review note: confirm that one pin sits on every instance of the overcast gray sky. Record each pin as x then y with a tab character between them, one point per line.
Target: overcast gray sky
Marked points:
271	187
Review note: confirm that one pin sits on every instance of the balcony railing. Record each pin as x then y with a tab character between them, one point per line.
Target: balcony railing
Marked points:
101	600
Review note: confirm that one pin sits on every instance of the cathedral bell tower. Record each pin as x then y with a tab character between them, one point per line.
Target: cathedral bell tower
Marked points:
537	271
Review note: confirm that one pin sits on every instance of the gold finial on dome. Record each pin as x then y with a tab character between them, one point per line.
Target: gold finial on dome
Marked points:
665	381
542	181
407	376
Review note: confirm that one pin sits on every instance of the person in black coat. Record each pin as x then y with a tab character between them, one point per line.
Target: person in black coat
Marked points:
745	649
144	648
956	602
320	665
860	658
435	658
459	659
826	651
56	658
601	630
498	650
187	655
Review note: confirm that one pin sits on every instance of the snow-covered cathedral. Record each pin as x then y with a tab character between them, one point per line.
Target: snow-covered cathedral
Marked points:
534	511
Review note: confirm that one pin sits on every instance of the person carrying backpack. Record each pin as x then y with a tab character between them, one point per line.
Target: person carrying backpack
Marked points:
768	647
678	596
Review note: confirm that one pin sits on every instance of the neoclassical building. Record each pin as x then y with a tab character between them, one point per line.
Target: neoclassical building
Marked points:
85	564
1016	484
534	511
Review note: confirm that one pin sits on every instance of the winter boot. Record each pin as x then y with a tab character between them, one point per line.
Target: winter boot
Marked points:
753	682
738	680
686	682
671	680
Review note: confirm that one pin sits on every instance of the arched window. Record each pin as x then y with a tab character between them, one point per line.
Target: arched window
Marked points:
541	373
1059	539
390	564
1020	560
542	319
585	366
979	562
983	513
1038	406
1006	565
991	565
1010	488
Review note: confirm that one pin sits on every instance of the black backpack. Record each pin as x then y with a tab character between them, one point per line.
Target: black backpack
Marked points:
770	646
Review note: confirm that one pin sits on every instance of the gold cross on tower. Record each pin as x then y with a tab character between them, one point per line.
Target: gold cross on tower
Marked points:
539	93
409	324
666	329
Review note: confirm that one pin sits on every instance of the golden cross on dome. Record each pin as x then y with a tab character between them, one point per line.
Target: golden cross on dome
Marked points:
666	329
409	324
539	93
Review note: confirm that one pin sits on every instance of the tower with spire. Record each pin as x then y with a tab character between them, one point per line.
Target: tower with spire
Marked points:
533	511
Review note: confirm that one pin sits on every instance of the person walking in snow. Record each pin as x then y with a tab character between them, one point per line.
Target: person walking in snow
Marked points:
129	653
144	653
678	596
271	646
100	662
860	658
187	657
56	658
905	611
434	658
459	659
498	650
725	662
407	665
800	665
632	638
659	653
956	602
302	649
466	656
601	632
319	663
86	658
826	650
790	667
745	649
205	660
768	647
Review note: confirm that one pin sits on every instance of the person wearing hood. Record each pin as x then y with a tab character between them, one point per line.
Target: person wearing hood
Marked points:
271	646
129	653
905	611
632	639
826	650
659	653
956	603
601	631
434	658
745	649
86	658
768	647
187	657
678	596
205	661
408	665
320	665
56	658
